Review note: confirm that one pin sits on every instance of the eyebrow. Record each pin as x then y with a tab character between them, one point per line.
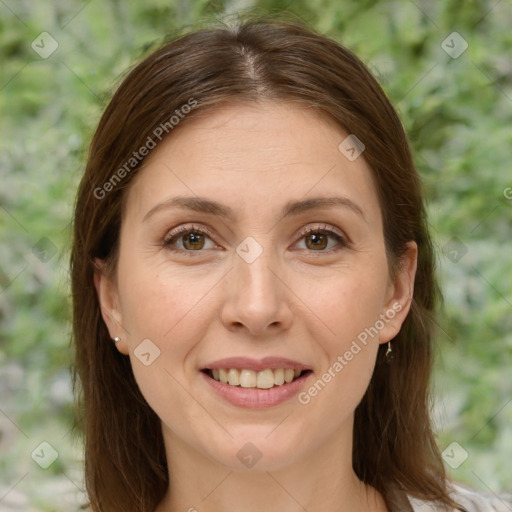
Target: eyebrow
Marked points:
292	208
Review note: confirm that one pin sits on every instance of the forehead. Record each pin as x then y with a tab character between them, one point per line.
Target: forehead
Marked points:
253	158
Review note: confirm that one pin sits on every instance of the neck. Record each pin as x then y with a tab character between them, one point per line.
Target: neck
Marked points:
322	480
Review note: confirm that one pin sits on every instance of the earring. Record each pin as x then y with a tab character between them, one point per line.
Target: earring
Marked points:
117	339
389	353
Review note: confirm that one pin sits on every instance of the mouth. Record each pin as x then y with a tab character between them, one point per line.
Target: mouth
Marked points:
264	379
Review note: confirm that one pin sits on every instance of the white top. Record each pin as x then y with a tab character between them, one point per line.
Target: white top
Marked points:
472	500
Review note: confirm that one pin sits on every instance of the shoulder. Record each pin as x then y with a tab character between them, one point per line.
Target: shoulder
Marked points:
470	499
480	501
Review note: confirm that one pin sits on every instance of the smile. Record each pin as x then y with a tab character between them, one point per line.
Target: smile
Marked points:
255	389
246	378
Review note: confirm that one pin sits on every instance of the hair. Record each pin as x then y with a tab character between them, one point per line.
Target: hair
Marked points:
394	446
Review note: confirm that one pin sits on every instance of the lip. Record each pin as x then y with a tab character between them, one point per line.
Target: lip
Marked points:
253	398
246	363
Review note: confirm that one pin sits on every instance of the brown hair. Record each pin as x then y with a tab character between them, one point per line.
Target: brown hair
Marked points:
394	449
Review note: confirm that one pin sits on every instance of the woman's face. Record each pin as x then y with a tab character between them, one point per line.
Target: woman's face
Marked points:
266	271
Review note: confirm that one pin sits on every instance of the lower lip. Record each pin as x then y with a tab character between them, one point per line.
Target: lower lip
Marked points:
252	398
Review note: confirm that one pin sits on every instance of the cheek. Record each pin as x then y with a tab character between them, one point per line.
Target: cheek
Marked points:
349	303
156	302
350	310
350	307
335	394
171	309
166	309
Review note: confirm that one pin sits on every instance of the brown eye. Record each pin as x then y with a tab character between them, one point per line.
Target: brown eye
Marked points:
317	241
193	241
188	239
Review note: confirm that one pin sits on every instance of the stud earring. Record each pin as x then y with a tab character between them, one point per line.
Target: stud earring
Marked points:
117	339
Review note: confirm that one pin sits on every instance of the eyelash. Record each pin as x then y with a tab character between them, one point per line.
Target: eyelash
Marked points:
185	230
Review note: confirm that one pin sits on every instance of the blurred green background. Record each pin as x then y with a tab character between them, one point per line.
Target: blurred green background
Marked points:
455	103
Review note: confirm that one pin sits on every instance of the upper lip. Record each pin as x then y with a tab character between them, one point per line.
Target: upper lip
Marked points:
246	363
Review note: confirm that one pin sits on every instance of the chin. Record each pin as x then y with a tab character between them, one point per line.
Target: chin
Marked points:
256	453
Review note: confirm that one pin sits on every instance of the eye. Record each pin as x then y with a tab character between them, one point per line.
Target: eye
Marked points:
317	238
192	239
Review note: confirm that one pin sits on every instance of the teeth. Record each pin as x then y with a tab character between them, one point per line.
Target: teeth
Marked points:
279	377
247	378
223	375
233	377
264	379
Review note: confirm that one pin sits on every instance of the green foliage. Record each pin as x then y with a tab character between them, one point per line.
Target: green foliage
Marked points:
457	112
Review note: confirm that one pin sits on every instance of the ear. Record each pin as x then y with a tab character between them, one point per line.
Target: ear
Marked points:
108	298
399	295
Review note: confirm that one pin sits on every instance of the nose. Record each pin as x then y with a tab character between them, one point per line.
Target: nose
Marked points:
257	299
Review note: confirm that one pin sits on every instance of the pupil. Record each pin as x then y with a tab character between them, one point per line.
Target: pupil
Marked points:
193	238
317	240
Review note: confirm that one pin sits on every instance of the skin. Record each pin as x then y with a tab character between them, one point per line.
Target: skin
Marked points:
295	300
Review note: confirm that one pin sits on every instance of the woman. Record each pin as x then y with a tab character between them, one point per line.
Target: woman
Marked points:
253	287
